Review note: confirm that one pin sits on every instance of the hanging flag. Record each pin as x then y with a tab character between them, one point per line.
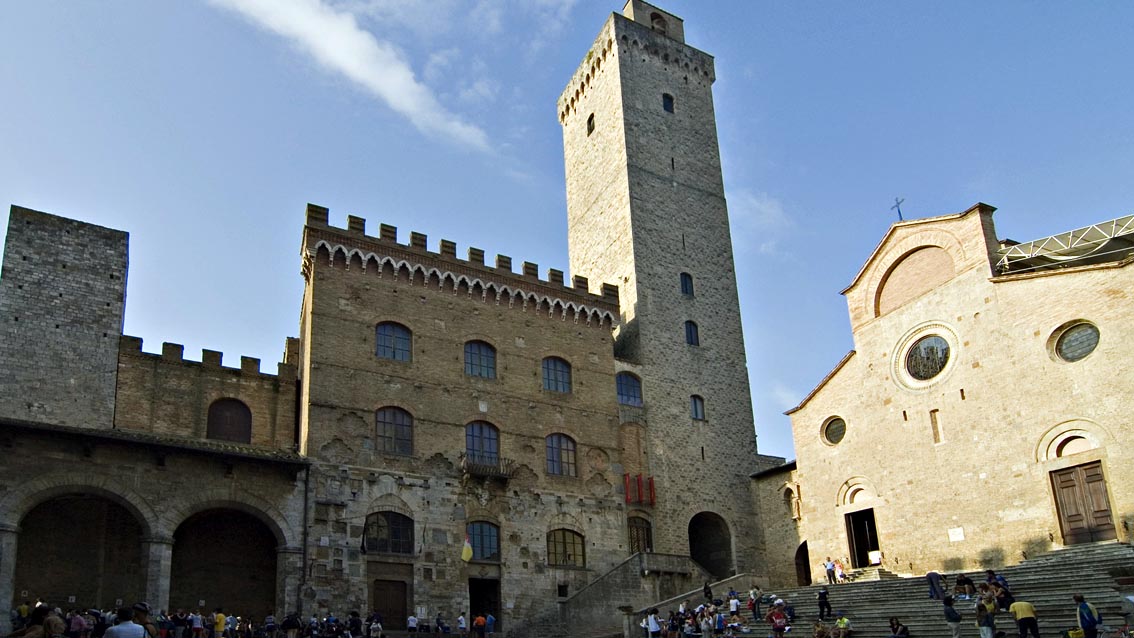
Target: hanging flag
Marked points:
466	551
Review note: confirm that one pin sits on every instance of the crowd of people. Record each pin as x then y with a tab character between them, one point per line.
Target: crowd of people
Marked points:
991	606
40	620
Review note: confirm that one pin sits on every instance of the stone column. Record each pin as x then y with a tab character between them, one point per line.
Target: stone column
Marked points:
8	537
158	553
289	572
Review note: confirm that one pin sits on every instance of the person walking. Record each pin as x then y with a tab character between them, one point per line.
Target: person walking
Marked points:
986	617
1089	617
1025	615
708	591
952	617
936	591
824	603
829	565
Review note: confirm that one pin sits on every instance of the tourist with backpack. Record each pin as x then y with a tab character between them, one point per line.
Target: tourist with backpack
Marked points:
777	618
1089	617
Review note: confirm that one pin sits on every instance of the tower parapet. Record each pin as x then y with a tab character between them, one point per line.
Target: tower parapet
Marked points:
351	247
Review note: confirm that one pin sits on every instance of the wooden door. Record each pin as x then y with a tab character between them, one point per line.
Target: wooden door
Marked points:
389	599
1082	502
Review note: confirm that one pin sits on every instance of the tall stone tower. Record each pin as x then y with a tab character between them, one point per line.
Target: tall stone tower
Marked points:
62	297
646	210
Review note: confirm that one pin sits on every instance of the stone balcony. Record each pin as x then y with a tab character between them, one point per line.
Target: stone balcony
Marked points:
487	466
632	414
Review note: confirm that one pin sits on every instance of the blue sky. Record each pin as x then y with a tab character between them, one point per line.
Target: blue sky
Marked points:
204	127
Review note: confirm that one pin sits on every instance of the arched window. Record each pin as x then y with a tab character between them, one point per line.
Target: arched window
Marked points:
692	336
394	341
697	408
657	23
641	535
229	420
561	455
566	548
591	124
480	360
395	431
388	532
482	443
556	375
667	102
687	284
485	540
629	389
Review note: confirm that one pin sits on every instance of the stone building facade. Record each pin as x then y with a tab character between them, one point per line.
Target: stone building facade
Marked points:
646	210
984	399
589	439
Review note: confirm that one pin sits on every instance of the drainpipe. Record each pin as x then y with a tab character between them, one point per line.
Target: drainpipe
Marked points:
303	575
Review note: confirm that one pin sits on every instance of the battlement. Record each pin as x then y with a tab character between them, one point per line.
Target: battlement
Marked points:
351	245
627	34
174	353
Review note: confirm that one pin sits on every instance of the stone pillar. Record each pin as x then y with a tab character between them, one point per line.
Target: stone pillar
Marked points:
158	552
8	536
289	572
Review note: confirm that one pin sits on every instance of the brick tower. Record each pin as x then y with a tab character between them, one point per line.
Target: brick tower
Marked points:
646	210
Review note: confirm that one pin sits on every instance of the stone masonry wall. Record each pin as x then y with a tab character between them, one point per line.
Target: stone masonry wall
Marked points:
969	453
166	394
347	383
62	294
646	203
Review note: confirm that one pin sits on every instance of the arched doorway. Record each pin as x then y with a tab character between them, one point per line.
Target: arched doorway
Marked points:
710	544
802	565
226	558
83	546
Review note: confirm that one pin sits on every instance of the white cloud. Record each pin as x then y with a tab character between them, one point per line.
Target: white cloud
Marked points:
439	63
783	397
482	90
336	41
758	221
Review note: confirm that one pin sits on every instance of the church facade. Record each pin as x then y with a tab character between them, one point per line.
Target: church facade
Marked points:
981	417
445	434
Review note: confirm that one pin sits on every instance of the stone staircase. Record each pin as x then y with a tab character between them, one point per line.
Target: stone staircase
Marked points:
1047	581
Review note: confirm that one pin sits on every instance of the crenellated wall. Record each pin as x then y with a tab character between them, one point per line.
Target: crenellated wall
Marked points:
170	395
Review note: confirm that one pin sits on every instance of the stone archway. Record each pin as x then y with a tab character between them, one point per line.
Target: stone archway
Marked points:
710	544
226	558
84	546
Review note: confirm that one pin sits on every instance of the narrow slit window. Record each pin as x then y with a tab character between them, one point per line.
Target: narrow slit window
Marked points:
667	102
591	124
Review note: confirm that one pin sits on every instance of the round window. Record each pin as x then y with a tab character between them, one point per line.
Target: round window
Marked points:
1077	342
927	358
834	431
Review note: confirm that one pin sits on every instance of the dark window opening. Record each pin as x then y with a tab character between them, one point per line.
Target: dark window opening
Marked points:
641	535
482	443
394	341
480	360
591	124
692	336
565	548
697	408
229	420
395	431
485	540
687	284
556	375
629	389
388	532
667	102
561	455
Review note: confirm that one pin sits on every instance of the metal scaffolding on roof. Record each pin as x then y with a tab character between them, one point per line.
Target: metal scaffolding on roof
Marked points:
1099	243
